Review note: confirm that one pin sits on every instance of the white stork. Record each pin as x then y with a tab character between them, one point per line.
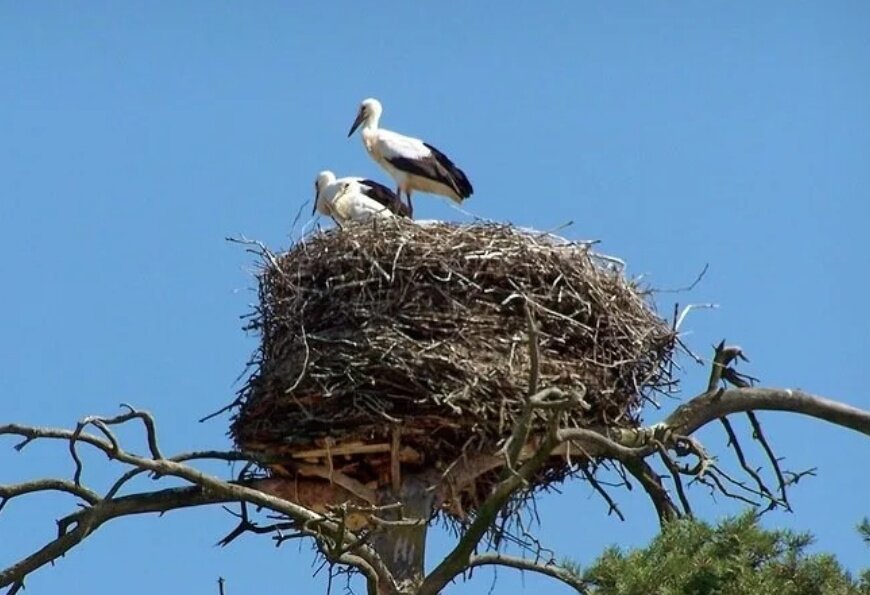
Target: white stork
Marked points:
354	199
413	164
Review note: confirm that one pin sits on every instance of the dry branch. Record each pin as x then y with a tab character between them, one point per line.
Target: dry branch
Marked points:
703	409
208	490
546	568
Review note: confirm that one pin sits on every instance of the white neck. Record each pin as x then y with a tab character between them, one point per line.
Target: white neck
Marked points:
374	117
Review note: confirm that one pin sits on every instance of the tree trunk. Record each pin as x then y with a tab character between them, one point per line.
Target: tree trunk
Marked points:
402	546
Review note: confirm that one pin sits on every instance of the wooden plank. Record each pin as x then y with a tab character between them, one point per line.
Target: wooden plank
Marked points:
354	448
340	479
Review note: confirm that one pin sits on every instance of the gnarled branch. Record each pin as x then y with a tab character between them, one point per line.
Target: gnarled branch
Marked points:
206	489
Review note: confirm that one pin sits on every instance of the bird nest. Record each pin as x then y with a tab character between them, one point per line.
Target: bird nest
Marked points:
400	345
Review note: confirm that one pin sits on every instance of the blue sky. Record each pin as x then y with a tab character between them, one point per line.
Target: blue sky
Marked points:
136	136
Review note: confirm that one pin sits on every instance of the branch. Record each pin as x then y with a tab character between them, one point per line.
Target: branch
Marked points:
596	443
520	435
758	434
7	492
208	489
652	484
611	503
88	520
549	569
457	560
734	442
701	410
675	476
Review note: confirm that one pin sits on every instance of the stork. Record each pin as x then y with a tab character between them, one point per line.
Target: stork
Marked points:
413	164
354	199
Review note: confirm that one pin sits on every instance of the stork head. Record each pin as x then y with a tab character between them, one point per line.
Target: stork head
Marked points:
369	113
323	179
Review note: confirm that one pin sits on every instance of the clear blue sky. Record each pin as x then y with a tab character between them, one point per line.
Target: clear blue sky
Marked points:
135	136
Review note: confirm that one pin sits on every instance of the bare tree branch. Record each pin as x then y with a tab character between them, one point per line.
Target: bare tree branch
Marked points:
613	507
520	435
549	569
652	485
675	477
701	410
77	526
758	434
89	519
7	492
734	442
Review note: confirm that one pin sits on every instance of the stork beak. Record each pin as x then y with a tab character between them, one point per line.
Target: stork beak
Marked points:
314	208
359	119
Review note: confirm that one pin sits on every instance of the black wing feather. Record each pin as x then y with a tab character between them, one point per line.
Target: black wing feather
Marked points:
383	195
460	179
438	168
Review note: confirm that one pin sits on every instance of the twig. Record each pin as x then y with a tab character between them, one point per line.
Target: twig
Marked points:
675	476
303	370
721	488
534	351
758	434
689	287
612	506
735	444
223	409
688	309
113	448
247	526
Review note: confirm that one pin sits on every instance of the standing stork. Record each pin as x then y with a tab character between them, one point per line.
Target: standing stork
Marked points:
354	199
413	164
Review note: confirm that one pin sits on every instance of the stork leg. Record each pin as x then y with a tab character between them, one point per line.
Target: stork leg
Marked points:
410	206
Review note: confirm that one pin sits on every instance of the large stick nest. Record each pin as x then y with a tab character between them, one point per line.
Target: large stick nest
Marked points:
424	329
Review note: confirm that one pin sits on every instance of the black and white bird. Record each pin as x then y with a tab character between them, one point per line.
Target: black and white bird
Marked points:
413	164
353	199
